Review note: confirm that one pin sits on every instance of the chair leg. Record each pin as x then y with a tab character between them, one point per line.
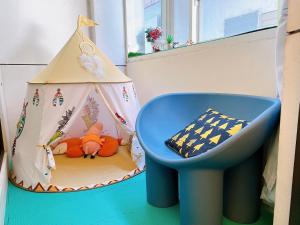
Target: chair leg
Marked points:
242	188
201	197
162	184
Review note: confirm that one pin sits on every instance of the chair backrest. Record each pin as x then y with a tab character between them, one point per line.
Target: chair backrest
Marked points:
169	113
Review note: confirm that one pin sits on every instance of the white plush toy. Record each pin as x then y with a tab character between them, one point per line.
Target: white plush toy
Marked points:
60	149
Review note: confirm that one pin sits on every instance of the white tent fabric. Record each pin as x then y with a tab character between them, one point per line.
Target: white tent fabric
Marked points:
32	162
111	93
78	88
27	139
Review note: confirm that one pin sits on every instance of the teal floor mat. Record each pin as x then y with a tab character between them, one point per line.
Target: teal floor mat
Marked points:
119	204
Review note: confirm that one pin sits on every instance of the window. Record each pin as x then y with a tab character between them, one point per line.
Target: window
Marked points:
140	15
181	21
219	18
152	18
192	21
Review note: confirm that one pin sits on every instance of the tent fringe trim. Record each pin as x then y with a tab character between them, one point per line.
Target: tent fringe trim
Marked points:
58	189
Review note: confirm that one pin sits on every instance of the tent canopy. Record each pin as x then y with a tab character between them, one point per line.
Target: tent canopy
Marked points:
80	61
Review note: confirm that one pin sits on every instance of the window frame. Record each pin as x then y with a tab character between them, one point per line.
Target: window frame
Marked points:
167	14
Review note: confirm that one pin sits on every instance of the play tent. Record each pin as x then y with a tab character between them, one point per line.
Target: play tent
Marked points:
79	87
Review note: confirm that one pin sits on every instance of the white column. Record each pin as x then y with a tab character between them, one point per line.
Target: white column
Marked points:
289	116
110	33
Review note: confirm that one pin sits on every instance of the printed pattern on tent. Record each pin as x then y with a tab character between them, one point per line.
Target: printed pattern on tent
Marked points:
115	97
55	188
36	98
20	127
58	98
70	120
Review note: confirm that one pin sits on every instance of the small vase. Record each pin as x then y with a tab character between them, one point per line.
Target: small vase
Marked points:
155	46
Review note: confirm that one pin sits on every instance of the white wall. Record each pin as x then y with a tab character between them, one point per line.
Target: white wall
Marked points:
33	31
3	189
243	64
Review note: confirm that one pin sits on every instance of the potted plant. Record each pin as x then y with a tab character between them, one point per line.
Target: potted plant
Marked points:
170	41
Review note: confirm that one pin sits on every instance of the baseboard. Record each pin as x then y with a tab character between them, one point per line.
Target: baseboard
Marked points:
3	188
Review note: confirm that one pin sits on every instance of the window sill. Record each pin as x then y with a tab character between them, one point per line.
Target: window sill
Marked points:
264	34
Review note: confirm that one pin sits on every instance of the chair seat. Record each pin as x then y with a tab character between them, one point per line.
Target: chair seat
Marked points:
164	116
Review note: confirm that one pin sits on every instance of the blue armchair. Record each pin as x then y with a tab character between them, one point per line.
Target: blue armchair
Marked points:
197	182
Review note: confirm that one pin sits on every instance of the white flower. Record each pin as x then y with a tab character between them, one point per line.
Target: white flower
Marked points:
92	63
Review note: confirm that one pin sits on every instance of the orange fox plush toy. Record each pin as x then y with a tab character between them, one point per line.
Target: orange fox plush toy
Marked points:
109	147
92	142
70	146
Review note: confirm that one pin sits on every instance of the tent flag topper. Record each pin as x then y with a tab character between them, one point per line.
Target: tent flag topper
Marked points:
78	88
88	59
84	21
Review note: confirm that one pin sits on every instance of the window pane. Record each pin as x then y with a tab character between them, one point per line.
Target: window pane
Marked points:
181	21
141	14
219	18
152	18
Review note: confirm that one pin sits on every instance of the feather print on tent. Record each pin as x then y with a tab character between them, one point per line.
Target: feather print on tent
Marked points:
20	127
90	112
125	94
61	124
36	98
58	97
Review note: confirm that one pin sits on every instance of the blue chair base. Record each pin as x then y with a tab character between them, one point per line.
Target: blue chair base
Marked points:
162	184
201	196
242	188
200	191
